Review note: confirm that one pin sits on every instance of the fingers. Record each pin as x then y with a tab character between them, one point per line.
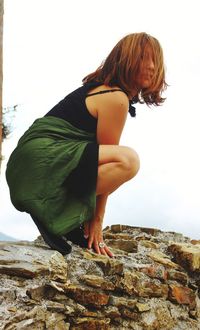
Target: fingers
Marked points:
108	252
96	247
104	251
90	242
93	231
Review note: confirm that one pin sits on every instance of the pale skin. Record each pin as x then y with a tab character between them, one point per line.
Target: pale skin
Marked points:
117	164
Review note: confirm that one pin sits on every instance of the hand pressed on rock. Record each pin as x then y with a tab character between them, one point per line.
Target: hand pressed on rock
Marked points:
93	231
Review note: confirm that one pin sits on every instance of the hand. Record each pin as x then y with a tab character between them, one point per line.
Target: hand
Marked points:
93	231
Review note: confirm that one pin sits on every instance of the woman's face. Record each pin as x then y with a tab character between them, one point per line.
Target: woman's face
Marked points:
146	69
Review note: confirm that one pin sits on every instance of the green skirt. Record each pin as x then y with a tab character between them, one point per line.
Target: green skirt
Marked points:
38	171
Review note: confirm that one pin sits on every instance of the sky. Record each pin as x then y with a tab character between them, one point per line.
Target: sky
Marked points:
50	45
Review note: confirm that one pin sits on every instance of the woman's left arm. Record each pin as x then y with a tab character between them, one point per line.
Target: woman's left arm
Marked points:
94	227
112	113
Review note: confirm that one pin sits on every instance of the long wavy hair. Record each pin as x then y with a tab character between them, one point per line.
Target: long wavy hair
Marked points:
121	67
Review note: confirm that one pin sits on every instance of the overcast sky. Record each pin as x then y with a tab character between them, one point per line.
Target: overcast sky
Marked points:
50	45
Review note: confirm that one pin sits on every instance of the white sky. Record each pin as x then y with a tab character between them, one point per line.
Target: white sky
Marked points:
50	45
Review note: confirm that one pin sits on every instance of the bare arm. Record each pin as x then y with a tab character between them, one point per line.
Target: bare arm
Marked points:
96	224
112	113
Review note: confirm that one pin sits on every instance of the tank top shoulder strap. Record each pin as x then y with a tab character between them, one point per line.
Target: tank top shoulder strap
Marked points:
105	91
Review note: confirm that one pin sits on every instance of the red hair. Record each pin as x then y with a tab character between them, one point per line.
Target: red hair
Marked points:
122	65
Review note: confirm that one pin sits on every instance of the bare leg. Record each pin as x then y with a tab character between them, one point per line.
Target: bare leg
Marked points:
117	165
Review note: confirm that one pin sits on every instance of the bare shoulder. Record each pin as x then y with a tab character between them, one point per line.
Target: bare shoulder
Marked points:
111	113
112	100
116	97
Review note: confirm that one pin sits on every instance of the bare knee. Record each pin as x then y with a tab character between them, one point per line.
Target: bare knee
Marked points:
121	158
130	162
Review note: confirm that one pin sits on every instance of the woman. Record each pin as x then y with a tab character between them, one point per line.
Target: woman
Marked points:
68	162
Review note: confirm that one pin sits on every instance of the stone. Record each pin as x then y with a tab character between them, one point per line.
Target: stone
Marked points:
98	282
163	317
126	313
154	287
117	228
142	307
150	231
127	283
195	241
109	266
187	255
57	286
173	274
112	312
112	236
89	313
31	261
7	294
122	244
123	302
90	324
55	321
148	244
27	320
182	295
150	321
151	289
36	293
130	282
12	309
53	306
162	258
87	297
155	271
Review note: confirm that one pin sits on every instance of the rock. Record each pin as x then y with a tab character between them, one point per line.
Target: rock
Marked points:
90	324
149	244
187	255
123	244
195	241
123	302
87	297
177	276
31	261
163	259
126	313
112	312
142	307
120	228
152	289
98	282
155	271
108	265
182	295
108	235
152	283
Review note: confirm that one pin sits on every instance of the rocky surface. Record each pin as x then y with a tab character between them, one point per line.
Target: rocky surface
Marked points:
152	283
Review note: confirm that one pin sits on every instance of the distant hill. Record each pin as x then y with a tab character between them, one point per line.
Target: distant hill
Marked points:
4	237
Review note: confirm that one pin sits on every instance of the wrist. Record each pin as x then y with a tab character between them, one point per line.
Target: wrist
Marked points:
99	218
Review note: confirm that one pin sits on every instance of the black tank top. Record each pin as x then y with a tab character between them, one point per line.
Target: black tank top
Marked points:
73	108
